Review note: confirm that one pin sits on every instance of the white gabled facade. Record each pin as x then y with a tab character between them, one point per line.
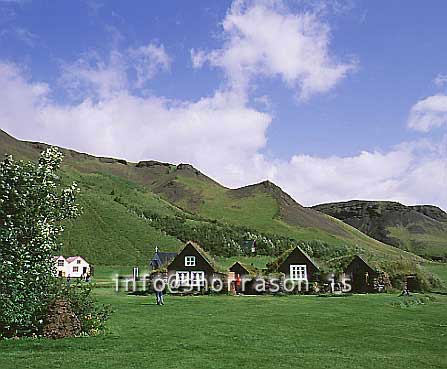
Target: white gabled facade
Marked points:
73	266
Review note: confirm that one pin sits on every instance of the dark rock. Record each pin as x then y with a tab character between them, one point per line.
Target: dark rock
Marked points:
188	168
152	163
432	212
112	161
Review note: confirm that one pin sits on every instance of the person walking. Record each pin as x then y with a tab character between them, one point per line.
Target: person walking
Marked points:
160	300
159	286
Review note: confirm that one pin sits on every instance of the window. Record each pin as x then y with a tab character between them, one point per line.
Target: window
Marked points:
182	278
75	269
197	278
298	272
78	261
60	263
190	261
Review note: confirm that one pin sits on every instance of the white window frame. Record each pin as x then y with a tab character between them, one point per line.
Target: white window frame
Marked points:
298	272
75	269
60	263
190	261
182	278
197	278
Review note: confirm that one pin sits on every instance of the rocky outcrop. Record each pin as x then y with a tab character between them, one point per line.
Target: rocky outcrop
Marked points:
419	229
152	164
113	161
431	211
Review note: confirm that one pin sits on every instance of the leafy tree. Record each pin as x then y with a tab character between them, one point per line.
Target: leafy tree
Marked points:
32	206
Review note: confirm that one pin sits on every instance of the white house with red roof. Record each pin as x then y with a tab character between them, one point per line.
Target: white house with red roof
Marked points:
73	266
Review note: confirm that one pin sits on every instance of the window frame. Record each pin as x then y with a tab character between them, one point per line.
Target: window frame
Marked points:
184	281
190	261
60	263
197	281
298	272
75	269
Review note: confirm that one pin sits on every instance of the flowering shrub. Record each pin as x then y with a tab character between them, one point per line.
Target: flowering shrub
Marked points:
32	207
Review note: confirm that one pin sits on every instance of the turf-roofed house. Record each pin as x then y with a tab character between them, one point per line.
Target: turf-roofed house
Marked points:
244	277
193	267
296	265
366	275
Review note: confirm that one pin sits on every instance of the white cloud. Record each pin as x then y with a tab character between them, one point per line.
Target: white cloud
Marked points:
20	99
429	113
148	60
411	173
212	133
26	36
90	74
20	33
440	80
263	38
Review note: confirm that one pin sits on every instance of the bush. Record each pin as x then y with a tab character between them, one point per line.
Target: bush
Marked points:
91	315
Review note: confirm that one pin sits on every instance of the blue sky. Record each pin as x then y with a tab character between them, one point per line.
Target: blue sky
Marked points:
354	106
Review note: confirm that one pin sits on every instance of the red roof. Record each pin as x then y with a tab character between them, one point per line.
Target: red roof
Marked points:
70	259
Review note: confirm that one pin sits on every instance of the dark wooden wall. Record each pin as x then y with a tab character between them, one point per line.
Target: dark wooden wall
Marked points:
297	257
361	274
178	264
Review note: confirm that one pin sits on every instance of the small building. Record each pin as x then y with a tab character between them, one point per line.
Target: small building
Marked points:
192	267
161	259
244	276
296	265
241	270
73	266
249	247
363	276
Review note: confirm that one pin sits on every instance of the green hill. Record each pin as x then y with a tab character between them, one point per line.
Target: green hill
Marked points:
420	229
130	208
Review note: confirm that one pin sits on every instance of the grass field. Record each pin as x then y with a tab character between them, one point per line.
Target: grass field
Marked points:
359	331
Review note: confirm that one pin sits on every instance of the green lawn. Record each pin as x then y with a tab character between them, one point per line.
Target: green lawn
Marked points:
360	331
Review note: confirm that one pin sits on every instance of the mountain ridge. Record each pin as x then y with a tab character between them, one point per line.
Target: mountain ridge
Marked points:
421	229
168	189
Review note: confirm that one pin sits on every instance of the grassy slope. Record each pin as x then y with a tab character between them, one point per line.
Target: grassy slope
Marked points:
259	210
361	331
433	242
106	233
